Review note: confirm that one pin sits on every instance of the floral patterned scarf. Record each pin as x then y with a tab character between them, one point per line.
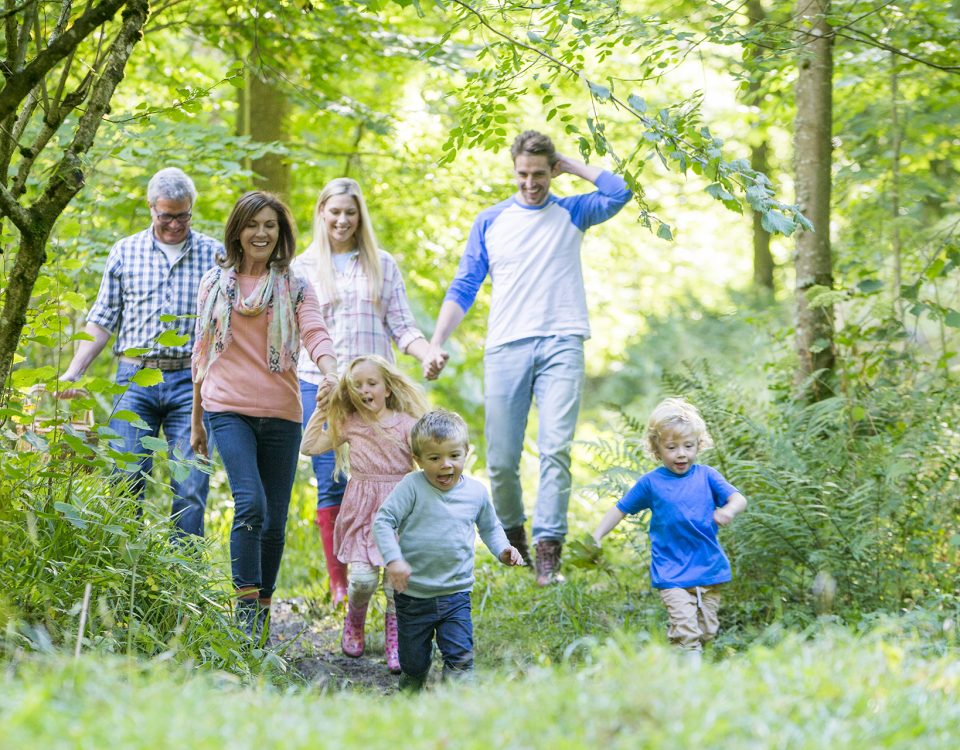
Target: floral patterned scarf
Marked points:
220	298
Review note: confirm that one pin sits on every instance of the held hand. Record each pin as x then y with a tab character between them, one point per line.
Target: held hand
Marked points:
510	556
723	516
434	362
398	573
325	391
198	440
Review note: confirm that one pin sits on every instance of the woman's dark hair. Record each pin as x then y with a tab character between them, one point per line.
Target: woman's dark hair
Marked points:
249	205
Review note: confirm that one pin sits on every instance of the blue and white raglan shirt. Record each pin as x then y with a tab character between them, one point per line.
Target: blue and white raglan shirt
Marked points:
532	254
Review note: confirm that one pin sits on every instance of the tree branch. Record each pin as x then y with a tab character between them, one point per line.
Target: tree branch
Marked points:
19	84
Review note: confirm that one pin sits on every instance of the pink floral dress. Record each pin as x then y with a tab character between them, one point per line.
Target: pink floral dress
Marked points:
379	458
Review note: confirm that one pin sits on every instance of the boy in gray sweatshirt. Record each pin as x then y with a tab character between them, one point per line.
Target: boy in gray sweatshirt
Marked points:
426	530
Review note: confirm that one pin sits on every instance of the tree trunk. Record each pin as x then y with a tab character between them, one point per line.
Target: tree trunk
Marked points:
812	164
762	257
64	180
263	116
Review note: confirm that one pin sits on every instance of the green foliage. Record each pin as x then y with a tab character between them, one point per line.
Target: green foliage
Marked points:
560	61
852	500
868	692
76	550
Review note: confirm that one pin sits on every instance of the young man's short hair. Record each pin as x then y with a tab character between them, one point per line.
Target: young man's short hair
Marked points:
438	426
533	143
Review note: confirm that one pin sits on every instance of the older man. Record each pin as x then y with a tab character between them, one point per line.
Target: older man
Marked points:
149	288
530	246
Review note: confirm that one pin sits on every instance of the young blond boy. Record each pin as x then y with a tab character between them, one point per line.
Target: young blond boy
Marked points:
688	501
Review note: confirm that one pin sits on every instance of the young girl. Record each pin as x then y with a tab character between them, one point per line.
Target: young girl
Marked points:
372	411
687	502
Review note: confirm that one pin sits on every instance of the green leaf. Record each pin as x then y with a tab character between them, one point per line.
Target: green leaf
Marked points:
870	286
147	377
718	192
858	413
172	338
151	443
29	376
637	102
664	233
134	419
952	319
776	223
600	92
136	352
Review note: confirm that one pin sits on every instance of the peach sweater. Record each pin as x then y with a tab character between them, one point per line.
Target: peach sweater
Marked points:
240	381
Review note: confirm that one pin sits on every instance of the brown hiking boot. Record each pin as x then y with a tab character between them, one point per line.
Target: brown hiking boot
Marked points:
518	539
548	562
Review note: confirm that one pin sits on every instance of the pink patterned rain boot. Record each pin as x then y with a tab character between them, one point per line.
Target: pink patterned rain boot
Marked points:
351	642
391	642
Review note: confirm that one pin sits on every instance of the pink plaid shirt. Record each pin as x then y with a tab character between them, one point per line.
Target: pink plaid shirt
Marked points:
354	322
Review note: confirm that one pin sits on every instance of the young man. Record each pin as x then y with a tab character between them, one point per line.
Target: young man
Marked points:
425	531
149	276
530	246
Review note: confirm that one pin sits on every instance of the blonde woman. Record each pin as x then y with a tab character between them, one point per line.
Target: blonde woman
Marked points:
364	304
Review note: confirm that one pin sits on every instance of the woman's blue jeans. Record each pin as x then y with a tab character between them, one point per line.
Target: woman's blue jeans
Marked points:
329	490
260	456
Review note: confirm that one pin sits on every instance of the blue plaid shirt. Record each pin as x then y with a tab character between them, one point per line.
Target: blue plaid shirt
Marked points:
139	286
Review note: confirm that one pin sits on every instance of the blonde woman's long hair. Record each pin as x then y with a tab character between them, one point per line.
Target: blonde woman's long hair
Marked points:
369	254
403	396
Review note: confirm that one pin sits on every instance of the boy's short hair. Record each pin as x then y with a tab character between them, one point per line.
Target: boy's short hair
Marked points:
676	414
533	143
437	426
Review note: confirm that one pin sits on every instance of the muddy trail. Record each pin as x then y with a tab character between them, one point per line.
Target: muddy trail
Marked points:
307	635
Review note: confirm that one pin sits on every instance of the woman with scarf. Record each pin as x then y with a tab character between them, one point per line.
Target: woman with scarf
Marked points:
364	303
252	315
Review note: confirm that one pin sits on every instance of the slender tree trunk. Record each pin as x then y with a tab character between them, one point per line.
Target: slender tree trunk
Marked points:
759	152
897	134
263	116
812	163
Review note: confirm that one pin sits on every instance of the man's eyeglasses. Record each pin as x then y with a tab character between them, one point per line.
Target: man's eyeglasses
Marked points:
165	218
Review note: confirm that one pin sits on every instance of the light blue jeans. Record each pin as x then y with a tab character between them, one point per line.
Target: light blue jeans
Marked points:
550	370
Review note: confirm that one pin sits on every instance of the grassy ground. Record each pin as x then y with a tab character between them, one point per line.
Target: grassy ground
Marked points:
834	691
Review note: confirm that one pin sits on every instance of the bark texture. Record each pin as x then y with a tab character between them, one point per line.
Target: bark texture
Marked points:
812	168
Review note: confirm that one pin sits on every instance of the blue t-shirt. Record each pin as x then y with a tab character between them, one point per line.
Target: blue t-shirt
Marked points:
684	549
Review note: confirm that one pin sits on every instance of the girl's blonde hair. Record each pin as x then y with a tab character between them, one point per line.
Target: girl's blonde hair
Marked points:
403	395
676	415
369	254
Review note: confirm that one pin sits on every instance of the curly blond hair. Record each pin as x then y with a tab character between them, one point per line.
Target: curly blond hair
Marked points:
403	395
676	415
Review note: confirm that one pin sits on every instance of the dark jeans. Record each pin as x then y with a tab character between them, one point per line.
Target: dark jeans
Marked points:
165	406
260	456
418	620
329	490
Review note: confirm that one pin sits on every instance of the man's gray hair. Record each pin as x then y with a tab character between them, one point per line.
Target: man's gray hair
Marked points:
171	184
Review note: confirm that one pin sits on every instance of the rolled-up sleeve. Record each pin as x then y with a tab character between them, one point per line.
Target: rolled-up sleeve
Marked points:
106	310
398	318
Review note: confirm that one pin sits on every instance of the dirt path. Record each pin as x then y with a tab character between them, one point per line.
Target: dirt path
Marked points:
308	637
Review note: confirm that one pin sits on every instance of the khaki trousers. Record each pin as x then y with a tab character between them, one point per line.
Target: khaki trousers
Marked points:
693	615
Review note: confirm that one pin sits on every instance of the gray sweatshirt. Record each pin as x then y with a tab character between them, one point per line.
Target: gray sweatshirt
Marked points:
437	533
